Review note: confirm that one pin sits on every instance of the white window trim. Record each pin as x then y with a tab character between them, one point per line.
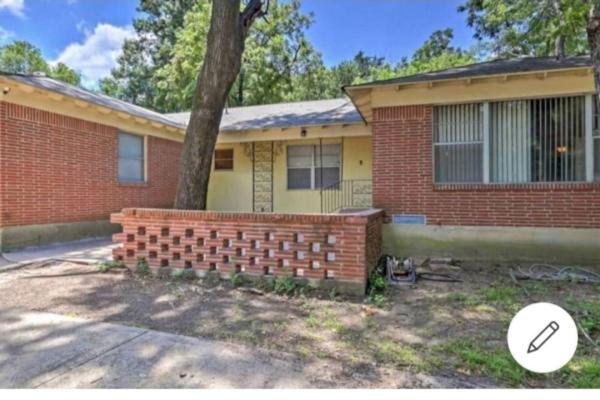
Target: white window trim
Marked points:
589	139
589	148
144	161
313	167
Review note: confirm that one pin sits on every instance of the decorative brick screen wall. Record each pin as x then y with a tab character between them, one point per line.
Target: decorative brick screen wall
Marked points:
336	248
58	169
403	184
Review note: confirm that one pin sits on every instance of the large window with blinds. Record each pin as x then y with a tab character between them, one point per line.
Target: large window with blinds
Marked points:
520	141
458	143
596	140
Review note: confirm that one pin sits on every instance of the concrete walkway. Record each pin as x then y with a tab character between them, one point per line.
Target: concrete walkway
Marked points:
90	251
39	350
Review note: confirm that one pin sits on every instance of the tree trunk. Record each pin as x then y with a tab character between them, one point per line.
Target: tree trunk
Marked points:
559	44
559	48
225	47
593	31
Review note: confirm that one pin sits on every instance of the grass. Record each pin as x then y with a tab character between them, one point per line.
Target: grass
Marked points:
110	265
390	352
494	363
584	373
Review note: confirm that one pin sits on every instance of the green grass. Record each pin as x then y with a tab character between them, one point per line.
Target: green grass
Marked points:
388	351
584	373
312	321
107	266
493	363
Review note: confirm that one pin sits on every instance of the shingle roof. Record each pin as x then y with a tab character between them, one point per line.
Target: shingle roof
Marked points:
55	86
306	113
496	67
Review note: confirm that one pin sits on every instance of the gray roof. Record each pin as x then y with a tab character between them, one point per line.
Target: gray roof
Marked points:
305	113
55	86
496	67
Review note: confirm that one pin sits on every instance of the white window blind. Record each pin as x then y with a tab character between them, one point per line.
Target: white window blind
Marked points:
313	166
540	140
596	139
131	158
533	140
458	143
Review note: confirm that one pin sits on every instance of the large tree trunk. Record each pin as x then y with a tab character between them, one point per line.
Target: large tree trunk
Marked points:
228	30
593	30
559	44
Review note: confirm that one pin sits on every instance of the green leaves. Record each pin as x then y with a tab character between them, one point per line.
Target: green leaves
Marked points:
512	28
22	57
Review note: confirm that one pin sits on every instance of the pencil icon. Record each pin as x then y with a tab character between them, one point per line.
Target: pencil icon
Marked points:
542	337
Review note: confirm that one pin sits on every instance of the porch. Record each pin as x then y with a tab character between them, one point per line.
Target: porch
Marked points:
323	175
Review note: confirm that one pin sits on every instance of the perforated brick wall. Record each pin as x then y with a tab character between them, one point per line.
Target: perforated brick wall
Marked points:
315	247
403	184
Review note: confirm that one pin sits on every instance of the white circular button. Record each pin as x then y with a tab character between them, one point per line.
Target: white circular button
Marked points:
542	337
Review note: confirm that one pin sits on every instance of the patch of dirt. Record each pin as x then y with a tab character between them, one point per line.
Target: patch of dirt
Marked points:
429	335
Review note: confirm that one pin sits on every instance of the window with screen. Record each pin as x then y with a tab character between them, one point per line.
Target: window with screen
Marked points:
541	140
313	166
224	160
596	138
131	158
458	143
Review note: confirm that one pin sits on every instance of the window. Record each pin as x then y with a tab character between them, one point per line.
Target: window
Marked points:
596	139
518	141
540	140
313	167
131	158
458	143
224	160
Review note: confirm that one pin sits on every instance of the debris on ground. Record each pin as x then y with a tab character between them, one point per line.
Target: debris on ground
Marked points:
547	272
407	271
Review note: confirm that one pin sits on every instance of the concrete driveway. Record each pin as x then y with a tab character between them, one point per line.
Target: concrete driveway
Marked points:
89	251
40	350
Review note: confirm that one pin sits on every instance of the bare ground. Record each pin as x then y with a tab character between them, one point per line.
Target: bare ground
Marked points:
428	335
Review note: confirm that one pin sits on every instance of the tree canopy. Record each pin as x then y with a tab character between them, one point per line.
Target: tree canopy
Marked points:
22	57
512	28
159	68
277	50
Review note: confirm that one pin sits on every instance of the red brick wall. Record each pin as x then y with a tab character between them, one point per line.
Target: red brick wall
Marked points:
256	244
59	169
403	184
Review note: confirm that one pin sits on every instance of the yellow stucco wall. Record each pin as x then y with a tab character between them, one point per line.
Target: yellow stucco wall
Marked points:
354	150
232	190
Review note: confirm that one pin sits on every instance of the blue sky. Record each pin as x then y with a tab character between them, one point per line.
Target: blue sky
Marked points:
87	34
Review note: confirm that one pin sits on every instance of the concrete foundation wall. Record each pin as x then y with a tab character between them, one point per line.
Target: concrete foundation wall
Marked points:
13	238
551	245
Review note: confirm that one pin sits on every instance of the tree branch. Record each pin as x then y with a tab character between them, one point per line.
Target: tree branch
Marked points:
254	9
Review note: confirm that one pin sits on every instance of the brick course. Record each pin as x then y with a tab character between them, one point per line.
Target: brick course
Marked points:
58	169
314	247
403	184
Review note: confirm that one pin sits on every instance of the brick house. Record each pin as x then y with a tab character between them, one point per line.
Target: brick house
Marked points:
493	159
69	158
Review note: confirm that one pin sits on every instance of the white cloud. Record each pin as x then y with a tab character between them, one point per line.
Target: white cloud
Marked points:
17	7
5	36
97	54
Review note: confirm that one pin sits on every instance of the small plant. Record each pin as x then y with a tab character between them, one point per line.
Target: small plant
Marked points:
236	279
142	268
183	275
110	265
377	286
333	294
285	285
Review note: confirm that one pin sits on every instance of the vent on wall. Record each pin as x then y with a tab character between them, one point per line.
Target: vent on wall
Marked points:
409	219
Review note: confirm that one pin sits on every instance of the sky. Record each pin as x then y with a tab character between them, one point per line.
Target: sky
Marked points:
88	34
